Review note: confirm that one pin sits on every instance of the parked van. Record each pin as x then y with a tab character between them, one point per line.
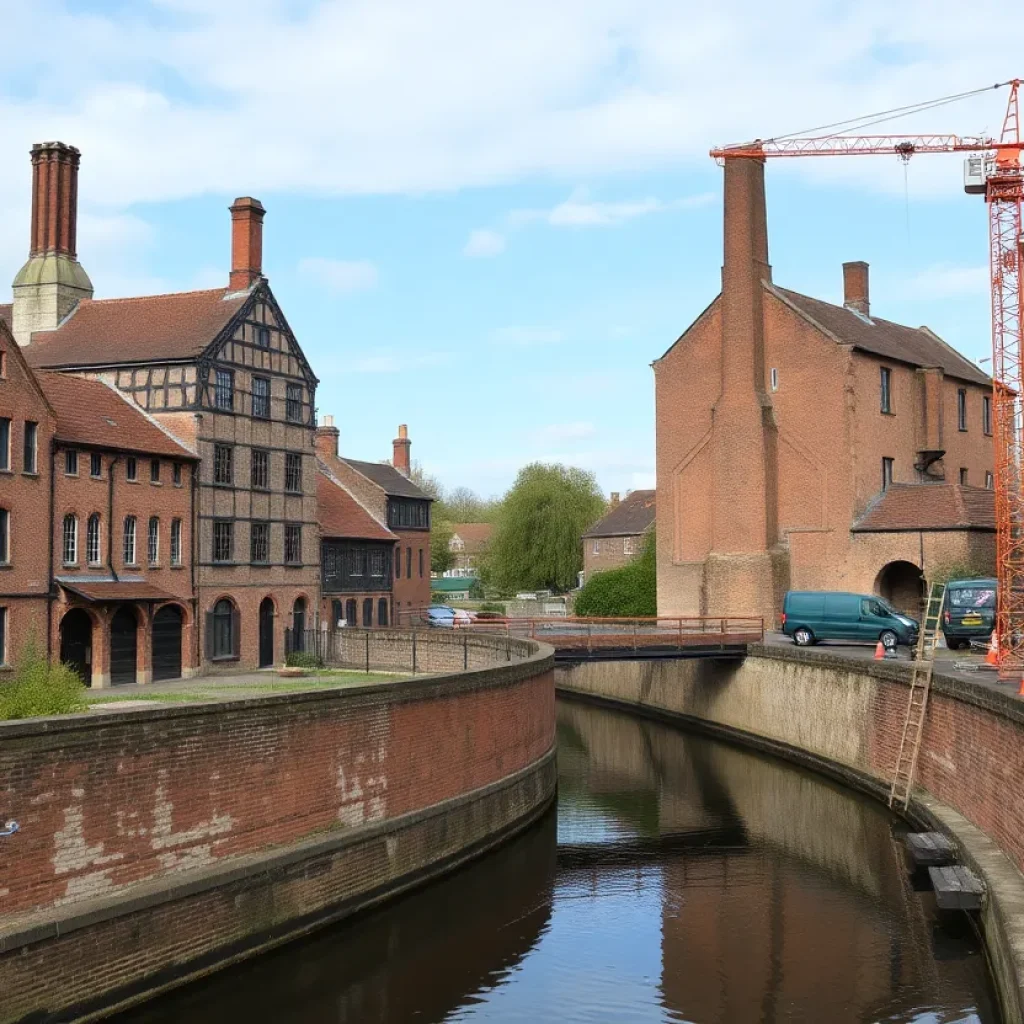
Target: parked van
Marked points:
968	612
812	615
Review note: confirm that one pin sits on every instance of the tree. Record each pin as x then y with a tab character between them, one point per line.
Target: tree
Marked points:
630	591
441	559
536	543
463	505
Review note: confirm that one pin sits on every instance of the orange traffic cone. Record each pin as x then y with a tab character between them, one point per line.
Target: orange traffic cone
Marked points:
992	655
879	651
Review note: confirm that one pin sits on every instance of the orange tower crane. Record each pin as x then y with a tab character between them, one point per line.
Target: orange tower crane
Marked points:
996	172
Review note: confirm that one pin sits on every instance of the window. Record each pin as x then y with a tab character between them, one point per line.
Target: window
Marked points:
986	414
292	543
5	443
989	481
175	542
224	392
595	548
154	471
70	539
377	564
154	540
5	536
868	606
398	563
293	403
382	612
421	562
262	334
774	377
628	545
963	476
408	563
222	458
961	408
259	543
176	474
92	539
886	389
31	439
413	513
357	562
223	540
260	469
128	551
96	465
71	462
223	627
292	472
350	612
337	615
367	612
131	468
886	472
261	398
3	636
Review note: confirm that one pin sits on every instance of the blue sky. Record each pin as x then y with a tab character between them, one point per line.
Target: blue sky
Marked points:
486	218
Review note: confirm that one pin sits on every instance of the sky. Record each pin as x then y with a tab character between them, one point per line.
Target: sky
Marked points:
486	218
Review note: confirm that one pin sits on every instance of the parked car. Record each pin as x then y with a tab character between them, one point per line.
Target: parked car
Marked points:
812	615
463	618
968	612
440	616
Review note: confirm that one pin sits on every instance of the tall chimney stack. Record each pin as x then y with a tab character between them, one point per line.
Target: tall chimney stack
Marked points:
855	288
52	282
402	444
327	435
246	243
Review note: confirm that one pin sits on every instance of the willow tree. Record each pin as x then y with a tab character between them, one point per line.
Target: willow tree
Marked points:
536	543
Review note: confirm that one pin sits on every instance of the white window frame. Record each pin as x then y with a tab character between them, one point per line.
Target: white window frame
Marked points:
70	535
128	547
93	539
175	542
595	548
774	378
153	540
629	545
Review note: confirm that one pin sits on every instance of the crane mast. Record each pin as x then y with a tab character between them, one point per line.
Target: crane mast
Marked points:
998	175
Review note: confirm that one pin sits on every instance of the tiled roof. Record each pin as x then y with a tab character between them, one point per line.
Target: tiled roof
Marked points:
630	518
123	590
340	515
101	332
6	312
387	478
914	345
474	536
903	507
91	413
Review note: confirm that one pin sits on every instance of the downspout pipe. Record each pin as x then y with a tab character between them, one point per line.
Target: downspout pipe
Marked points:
110	516
51	583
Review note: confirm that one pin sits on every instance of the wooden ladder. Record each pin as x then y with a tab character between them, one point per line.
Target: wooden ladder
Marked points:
917	701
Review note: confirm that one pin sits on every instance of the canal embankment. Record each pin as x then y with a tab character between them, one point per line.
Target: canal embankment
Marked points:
844	717
157	845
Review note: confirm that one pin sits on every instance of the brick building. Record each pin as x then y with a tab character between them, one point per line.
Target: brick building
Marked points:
619	535
782	418
468	545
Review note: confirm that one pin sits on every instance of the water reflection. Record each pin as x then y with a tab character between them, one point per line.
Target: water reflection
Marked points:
688	881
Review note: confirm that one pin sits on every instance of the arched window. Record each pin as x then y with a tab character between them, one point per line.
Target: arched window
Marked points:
337	615
382	612
70	539
92	539
351	613
129	540
368	612
154	540
223	627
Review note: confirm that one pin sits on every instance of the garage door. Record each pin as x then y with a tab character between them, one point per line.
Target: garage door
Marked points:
167	644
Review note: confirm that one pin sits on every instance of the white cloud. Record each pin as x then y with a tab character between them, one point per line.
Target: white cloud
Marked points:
555	433
528	336
579	210
944	281
482	243
339	276
396	362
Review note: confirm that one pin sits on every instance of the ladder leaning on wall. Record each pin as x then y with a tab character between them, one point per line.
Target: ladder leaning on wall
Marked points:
917	701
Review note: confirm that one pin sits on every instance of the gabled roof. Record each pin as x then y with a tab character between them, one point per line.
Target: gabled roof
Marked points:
474	536
16	353
630	518
387	478
911	507
341	516
93	414
104	332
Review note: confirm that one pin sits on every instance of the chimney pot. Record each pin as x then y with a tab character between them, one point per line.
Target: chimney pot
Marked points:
246	243
855	288
327	436
401	448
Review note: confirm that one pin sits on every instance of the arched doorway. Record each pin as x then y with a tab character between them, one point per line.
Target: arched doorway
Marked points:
124	646
167	630
902	585
222	631
266	632
367	612
76	643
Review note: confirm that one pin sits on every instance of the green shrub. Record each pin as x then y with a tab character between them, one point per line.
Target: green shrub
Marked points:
961	570
629	592
303	659
493	606
40	688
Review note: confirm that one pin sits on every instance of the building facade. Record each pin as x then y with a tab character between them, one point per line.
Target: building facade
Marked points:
782	418
468	546
619	535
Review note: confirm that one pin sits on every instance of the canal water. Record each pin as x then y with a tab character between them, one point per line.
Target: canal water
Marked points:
681	879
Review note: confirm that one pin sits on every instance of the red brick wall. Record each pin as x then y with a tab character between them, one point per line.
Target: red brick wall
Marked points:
610	553
412	592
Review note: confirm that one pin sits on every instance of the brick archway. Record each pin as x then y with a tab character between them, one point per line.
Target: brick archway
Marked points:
902	584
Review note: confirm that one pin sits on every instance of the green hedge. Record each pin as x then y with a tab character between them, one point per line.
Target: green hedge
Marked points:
40	688
631	591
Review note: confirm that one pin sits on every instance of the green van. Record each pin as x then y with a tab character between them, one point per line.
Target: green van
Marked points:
968	611
812	615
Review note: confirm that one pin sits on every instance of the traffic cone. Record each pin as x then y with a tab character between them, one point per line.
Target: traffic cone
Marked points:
879	651
992	655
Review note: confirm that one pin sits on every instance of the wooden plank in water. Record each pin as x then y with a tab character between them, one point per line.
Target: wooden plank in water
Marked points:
957	888
929	849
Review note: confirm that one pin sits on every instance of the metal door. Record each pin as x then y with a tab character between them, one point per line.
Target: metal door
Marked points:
266	632
124	645
167	644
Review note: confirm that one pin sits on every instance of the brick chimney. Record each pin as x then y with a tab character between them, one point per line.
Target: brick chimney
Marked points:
327	435
402	444
855	288
246	243
52	282
615	499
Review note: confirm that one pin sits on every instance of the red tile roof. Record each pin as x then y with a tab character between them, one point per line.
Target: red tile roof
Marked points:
474	536
6	312
101	332
630	518
340	515
908	507
91	413
122	590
